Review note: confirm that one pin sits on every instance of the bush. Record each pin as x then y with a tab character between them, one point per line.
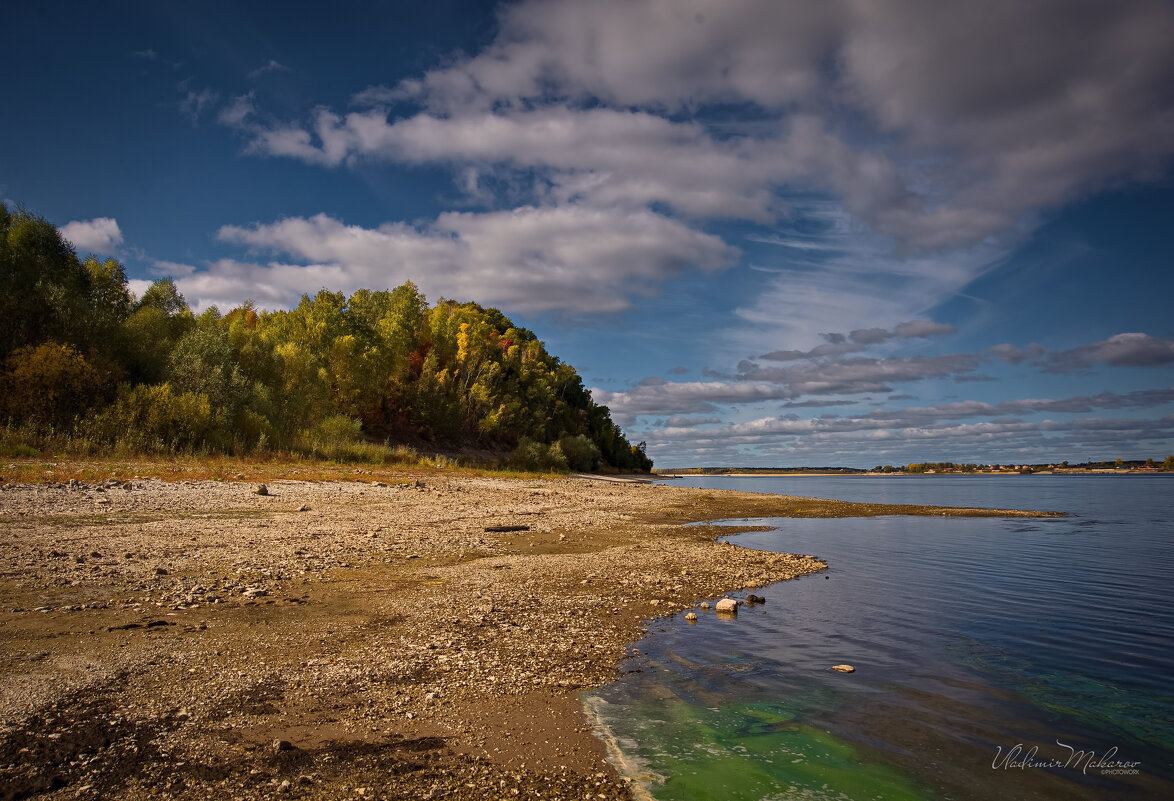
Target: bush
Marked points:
536	457
580	452
338	429
49	383
153	416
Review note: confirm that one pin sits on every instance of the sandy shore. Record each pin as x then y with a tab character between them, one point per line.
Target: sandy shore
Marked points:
344	639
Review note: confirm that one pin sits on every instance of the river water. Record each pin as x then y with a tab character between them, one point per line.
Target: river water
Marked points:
1010	658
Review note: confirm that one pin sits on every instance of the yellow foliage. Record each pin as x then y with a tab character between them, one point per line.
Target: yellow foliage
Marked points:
48	383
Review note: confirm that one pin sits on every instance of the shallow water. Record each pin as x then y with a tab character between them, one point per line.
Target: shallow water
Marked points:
970	636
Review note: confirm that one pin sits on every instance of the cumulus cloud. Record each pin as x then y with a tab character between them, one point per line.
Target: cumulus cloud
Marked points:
977	116
684	397
791	440
912	329
859	375
928	138
839	345
1120	350
755	383
569	258
99	235
691	422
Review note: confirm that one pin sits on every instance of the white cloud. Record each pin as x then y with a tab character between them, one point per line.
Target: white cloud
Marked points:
194	104
270	66
1121	350
99	235
172	269
963	120
137	286
849	440
936	136
570	258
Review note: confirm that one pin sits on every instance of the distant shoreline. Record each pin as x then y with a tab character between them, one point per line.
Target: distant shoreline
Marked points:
809	474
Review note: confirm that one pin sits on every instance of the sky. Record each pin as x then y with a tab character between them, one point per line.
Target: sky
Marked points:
766	232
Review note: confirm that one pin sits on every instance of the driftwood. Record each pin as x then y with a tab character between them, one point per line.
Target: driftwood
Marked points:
507	528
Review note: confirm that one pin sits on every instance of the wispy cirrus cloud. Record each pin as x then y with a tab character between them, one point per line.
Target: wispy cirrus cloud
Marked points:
270	66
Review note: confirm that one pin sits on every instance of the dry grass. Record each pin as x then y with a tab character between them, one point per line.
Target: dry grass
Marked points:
228	468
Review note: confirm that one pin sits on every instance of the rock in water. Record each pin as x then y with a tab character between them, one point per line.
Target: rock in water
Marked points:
727	605
691	616
261	489
755	599
843	668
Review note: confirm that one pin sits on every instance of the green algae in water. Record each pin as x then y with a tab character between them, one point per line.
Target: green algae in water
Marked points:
678	751
1097	703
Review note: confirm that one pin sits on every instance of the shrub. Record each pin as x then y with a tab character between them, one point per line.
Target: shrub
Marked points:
536	457
153	415
48	383
339	429
580	452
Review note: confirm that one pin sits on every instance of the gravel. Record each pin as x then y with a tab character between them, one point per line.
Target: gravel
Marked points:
420	638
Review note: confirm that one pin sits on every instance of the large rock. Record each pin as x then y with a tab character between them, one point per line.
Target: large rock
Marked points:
727	605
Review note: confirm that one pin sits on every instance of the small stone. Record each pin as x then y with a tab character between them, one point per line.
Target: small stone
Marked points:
843	668
303	508
705	604
282	745
755	599
160	571
691	617
727	605
261	489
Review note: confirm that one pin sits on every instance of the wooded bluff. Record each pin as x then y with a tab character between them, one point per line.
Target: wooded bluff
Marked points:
81	355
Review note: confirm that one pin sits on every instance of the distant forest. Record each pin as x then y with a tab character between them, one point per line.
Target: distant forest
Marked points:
339	377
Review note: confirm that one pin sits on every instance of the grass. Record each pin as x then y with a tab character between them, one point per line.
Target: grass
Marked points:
230	468
30	454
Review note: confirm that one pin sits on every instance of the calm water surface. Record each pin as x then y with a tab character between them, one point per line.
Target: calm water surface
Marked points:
996	657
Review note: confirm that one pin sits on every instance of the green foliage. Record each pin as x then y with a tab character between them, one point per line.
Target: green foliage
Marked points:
331	377
535	457
156	417
338	429
580	452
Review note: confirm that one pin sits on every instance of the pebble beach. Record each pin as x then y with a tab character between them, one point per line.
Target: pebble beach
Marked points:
406	636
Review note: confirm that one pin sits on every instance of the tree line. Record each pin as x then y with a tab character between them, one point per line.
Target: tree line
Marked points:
80	353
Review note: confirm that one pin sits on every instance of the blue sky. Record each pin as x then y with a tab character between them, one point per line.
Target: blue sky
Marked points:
765	233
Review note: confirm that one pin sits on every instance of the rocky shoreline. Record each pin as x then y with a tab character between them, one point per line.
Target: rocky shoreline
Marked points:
411	635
